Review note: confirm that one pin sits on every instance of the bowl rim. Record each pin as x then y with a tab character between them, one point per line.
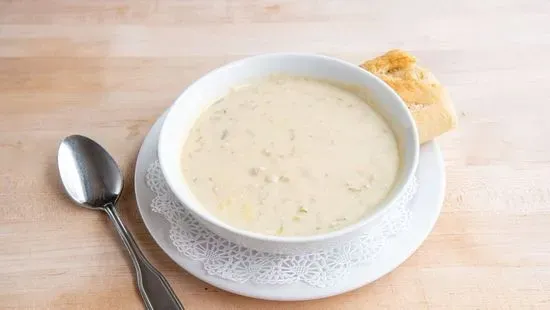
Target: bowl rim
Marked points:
381	208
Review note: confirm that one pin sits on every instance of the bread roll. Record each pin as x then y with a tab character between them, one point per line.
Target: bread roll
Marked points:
428	101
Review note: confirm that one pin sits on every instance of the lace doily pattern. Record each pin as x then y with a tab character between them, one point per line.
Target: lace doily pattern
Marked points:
225	259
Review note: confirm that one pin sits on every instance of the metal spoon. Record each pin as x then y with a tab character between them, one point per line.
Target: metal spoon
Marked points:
92	179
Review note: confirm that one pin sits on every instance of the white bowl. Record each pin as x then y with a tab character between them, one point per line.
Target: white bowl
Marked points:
199	95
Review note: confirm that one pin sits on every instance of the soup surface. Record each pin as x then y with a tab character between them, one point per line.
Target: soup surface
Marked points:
290	156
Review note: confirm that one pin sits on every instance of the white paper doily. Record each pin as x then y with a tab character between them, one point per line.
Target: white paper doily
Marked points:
254	280
230	261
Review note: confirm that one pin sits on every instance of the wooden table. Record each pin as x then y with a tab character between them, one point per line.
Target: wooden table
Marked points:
108	69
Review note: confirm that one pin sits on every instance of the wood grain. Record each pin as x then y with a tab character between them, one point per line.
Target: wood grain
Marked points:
108	69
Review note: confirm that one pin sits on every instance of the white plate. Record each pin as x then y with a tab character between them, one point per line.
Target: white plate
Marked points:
426	207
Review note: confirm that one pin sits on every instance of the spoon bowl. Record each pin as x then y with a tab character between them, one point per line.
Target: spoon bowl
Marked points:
90	176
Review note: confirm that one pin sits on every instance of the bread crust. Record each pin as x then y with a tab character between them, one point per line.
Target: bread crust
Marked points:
428	101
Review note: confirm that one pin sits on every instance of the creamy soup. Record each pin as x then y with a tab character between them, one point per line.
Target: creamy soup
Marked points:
290	156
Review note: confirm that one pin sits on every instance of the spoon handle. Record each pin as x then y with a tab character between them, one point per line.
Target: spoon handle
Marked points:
153	287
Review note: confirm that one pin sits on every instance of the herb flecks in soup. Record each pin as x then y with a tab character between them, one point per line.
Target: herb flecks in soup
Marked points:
290	156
